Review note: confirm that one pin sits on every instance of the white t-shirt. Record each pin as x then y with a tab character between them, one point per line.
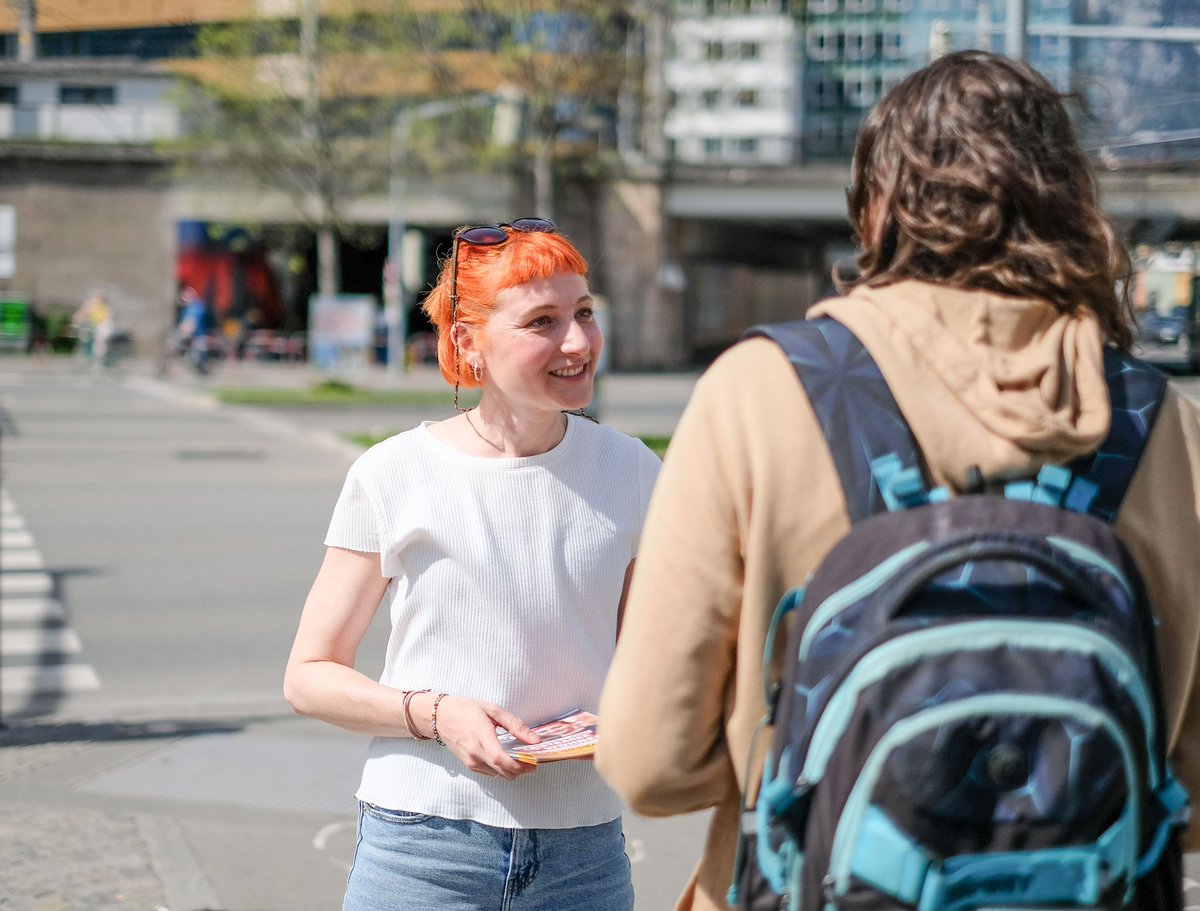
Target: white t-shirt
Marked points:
506	576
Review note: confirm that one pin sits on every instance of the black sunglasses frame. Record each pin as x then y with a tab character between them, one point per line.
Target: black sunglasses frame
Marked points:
489	236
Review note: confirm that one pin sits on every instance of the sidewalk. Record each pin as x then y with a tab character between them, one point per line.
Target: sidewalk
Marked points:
160	815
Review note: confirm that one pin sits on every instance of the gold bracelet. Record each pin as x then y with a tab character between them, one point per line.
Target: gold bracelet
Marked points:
408	719
436	736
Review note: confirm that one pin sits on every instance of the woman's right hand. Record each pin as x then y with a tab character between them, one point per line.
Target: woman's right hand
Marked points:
468	729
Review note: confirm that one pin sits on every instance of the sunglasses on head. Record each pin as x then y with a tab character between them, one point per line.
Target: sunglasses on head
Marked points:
488	236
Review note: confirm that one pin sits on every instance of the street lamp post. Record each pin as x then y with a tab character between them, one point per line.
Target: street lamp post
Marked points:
394	309
394	312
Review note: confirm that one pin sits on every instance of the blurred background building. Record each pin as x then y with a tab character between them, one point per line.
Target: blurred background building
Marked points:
261	151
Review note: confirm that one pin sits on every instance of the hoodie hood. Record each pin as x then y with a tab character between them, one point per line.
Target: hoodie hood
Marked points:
1005	383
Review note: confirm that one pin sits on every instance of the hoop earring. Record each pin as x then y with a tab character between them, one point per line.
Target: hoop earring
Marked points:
477	369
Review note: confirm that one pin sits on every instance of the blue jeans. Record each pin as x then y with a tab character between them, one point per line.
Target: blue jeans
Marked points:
413	862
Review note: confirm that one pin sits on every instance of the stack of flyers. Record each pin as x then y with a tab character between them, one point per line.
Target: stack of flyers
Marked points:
571	735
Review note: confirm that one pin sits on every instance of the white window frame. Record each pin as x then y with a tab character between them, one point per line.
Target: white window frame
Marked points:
859	44
755	99
860	88
893	46
756	54
742	151
818	52
823	7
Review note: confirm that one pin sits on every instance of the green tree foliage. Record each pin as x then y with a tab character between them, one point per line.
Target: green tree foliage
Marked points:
564	62
303	107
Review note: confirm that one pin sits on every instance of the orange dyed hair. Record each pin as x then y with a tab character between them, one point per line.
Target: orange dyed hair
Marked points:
485	271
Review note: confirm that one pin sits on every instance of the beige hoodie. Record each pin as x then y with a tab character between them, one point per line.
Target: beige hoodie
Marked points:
748	502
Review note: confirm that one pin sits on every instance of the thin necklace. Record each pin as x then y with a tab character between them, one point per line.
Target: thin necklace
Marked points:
467	415
478	433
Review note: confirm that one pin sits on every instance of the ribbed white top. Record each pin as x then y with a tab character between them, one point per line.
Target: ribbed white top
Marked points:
506	575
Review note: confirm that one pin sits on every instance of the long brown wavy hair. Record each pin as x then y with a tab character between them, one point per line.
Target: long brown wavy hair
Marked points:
969	174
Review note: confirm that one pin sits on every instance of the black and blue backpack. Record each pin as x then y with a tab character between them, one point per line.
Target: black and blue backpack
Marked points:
969	713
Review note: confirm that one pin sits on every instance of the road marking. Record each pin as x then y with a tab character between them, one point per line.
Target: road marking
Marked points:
33	628
321	839
20	559
60	640
32	610
636	851
35	583
47	679
15	538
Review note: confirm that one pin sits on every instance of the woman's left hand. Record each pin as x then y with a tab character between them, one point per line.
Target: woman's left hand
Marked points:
468	729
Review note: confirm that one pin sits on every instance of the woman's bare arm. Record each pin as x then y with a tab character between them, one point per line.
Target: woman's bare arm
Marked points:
321	681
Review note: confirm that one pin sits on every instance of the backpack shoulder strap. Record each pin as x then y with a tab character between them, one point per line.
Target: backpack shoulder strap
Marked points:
1136	391
861	421
858	415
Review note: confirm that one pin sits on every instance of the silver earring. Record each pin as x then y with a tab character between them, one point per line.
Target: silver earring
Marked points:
477	369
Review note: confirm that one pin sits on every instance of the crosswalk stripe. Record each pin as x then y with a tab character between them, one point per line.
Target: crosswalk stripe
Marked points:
31	610
20	559
25	584
15	539
33	638
52	678
53	641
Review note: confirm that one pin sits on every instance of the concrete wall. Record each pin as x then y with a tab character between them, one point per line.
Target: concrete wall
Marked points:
641	277
95	222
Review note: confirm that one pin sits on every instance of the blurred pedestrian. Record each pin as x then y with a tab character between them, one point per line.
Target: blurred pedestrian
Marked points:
192	334
93	324
39	333
499	542
985	293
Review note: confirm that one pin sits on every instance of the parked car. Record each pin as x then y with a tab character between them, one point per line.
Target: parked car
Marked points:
1166	298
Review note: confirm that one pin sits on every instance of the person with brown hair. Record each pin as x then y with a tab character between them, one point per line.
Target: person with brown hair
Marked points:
499	543
989	283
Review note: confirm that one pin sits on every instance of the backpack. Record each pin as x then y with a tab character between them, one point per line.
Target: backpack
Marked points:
969	714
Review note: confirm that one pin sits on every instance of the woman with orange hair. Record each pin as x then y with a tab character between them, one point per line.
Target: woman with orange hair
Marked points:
501	541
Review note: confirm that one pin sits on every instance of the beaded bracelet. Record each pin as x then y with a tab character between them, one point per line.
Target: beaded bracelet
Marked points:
408	718
436	736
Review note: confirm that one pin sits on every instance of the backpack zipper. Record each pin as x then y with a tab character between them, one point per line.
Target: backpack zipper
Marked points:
870	582
857	590
973	636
